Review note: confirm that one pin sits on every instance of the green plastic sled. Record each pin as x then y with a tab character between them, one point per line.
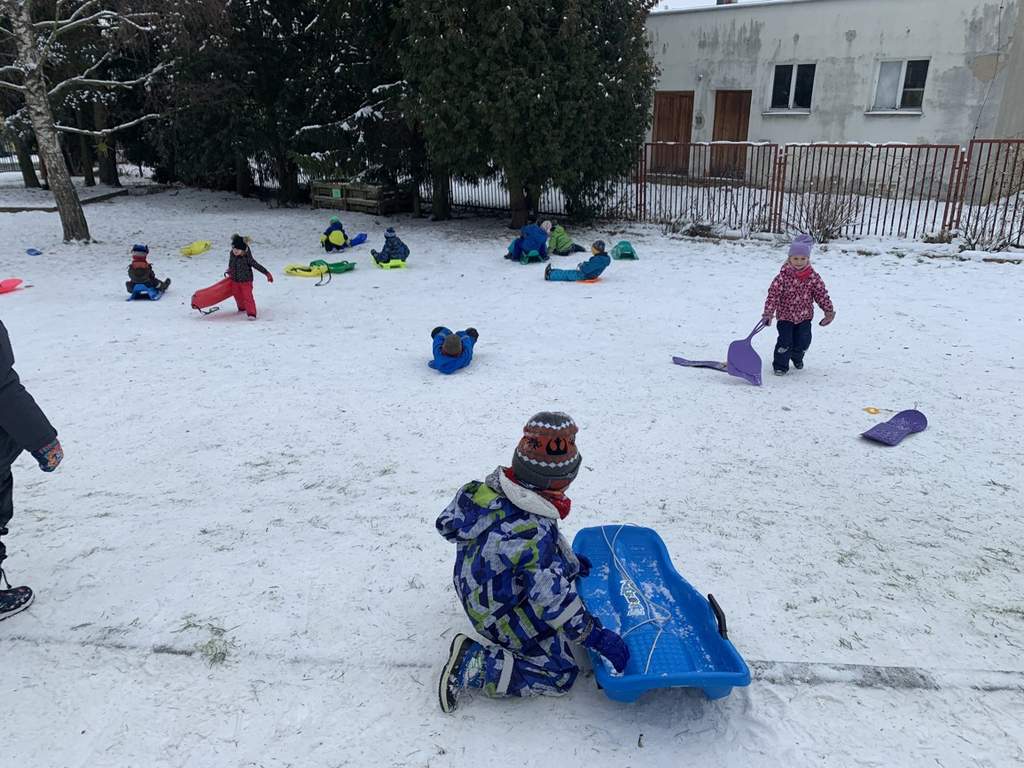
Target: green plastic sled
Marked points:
336	268
623	250
529	257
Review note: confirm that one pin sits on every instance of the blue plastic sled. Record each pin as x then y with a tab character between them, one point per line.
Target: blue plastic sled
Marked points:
141	291
676	638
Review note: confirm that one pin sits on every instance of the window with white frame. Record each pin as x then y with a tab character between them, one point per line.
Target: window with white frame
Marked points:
792	87
901	85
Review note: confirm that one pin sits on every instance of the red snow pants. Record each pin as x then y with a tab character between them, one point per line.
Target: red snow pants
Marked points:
243	297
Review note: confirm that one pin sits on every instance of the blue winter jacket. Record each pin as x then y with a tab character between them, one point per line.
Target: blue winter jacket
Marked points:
393	248
594	266
514	571
534	239
445	364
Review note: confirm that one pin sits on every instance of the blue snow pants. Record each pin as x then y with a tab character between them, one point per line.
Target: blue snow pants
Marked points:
546	667
794	340
570	275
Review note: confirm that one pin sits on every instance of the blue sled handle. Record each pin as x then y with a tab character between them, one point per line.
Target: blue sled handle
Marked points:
723	629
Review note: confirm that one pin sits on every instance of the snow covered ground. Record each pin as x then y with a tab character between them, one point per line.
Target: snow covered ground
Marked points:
14	194
261	495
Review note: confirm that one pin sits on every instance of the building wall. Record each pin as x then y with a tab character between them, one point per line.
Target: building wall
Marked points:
1010	124
736	47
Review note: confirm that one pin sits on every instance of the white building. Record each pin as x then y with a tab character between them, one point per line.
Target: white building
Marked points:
915	71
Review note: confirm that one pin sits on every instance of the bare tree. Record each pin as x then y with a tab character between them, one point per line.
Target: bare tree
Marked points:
39	32
822	215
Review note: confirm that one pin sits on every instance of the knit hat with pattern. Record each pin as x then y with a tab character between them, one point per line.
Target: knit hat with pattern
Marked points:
546	457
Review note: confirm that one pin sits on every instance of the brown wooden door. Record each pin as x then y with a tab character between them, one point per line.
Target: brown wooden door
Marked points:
673	121
732	119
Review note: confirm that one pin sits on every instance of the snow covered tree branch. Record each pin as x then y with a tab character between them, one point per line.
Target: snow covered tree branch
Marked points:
102	134
80	43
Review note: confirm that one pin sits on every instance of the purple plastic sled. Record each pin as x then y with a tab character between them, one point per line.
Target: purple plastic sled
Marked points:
743	361
899	426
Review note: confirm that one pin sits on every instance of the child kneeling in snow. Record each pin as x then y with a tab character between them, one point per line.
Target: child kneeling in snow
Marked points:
590	269
394	248
515	574
531	238
140	271
452	351
334	237
791	297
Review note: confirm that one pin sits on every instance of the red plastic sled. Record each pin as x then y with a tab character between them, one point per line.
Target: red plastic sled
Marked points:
215	294
10	284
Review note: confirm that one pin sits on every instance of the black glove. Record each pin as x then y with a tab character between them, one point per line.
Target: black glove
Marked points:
436	331
473	333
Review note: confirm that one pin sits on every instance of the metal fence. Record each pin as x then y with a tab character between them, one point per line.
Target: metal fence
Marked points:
8	159
854	190
991	196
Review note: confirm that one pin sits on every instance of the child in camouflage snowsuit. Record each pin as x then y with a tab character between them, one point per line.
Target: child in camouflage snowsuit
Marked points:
515	574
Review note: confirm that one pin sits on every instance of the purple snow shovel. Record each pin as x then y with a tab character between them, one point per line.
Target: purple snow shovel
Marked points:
899	426
742	360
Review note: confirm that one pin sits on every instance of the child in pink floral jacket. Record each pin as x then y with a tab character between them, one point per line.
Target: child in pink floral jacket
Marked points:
791	297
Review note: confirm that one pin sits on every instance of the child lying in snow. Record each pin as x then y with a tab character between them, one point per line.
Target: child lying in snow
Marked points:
452	351
515	574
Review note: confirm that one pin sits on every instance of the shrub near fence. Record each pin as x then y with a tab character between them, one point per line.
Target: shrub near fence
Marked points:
831	190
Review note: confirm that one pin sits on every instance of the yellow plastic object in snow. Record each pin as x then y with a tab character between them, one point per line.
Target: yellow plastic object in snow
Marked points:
305	270
197	247
393	264
336	239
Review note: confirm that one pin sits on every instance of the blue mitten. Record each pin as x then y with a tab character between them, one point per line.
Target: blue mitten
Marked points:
49	456
609	645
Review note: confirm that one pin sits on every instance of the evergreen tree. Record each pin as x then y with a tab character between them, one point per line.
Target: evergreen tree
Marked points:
545	92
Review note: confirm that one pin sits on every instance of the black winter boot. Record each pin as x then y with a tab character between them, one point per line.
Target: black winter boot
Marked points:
12	599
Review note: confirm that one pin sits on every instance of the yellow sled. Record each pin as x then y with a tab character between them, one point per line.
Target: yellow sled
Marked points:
197	247
306	270
393	264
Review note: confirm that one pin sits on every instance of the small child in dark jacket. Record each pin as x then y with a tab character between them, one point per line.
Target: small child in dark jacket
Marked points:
791	297
23	427
394	248
140	271
240	266
515	575
452	351
590	269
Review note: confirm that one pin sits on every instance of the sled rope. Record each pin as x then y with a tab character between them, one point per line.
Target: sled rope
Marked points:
650	606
